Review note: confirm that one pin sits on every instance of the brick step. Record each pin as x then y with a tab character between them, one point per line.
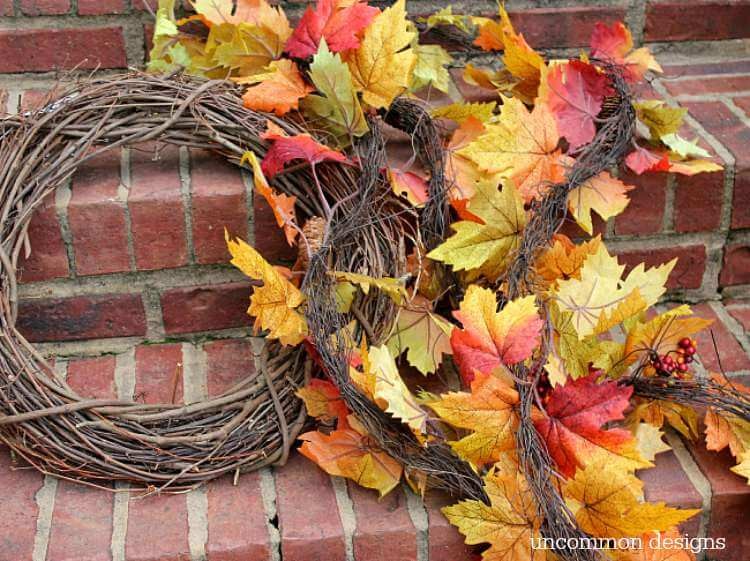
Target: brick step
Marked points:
296	509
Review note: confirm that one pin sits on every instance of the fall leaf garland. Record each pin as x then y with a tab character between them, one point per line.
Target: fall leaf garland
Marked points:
343	63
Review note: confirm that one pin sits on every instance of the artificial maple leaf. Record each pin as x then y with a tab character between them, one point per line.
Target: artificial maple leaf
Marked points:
390	391
393	288
464	22
461	111
692	167
660	119
616	44
347	453
727	431
743	467
683	148
490	338
574	92
430	68
424	335
654	550
600	289
488	411
603	194
255	12
339	22
324	402
337	103
274	305
521	146
282	205
382	65
605	501
409	185
682	418
509	523
575	414
641	160
485	247
649	441
285	149
278	90
490	36
462	174
564	259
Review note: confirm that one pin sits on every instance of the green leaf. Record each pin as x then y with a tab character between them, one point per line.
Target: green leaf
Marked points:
430	69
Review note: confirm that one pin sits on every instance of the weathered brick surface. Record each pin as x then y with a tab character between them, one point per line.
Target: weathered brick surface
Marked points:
39	50
48	259
687	273
384	528
205	308
97	217
698	202
93	377
563	26
228	362
445	544
18	522
81	524
44	7
237	524
727	354
158	373
315	532
156	209
82	317
740	310
701	20
102	7
736	265
157	529
269	239
645	212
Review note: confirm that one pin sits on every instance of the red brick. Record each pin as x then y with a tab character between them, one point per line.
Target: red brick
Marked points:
93	377
44	7
158	373
703	85
730	501
698	201
146	5
701	20
48	259
229	361
740	198
18	522
205	308
157	529
667	482
736	264
148	39
100	7
571	228
445	543
97	218
309	517
82	317
156	210
384	528
687	273
564	26
730	352
645	212
39	50
32	100
743	103
712	67
81	523
269	238
219	202
6	7
232	537
741	312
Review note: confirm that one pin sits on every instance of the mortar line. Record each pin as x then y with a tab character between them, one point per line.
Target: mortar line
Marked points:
669	199
732	106
186	190
635	18
125	386
63	195
45	500
247	179
123	193
268	497
418	514
154	317
346	514
734	327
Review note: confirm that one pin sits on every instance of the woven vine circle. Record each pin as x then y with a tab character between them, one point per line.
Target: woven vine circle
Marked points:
42	419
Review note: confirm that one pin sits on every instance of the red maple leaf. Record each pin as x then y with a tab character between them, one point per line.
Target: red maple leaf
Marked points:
284	149
575	414
575	96
340	26
611	42
642	159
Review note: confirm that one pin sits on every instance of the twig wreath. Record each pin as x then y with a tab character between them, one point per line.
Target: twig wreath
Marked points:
535	444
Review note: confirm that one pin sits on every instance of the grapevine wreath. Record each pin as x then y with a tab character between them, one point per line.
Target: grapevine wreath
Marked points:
554	381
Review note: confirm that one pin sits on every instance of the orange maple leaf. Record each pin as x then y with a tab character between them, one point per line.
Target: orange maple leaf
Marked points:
278	90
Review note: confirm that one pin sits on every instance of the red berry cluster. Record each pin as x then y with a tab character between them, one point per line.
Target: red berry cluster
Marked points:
668	365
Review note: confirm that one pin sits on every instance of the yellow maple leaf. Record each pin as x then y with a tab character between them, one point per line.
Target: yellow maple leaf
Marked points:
522	146
382	65
682	418
523	62
605	501
278	90
394	288
424	335
254	12
600	289
724	430
274	305
488	411
660	119
390	391
649	441
743	468
485	247
603	194
509	523
460	111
